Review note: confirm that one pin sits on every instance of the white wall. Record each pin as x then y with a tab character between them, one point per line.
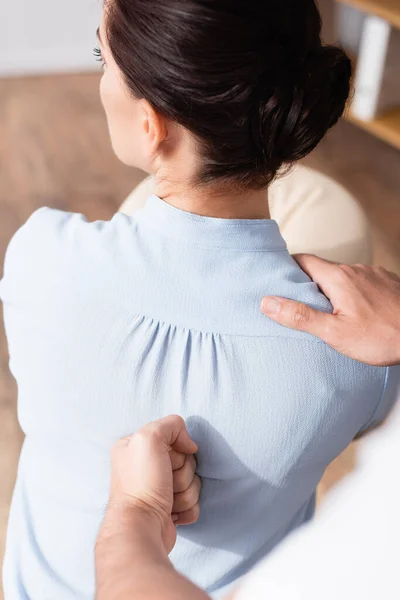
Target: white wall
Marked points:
44	36
350	23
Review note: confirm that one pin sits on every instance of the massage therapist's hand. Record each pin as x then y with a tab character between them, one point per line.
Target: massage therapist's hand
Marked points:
153	472
365	324
152	480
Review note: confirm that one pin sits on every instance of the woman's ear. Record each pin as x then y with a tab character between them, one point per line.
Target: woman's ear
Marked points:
154	128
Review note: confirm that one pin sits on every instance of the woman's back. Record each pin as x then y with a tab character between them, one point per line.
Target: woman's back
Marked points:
111	325
109	328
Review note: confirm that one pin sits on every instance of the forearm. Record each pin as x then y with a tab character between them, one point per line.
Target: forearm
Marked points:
131	562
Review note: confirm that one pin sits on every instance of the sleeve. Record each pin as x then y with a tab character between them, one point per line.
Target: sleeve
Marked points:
30	250
390	394
32	289
55	268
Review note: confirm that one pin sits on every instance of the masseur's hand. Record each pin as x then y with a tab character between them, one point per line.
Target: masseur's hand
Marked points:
152	480
153	472
365	324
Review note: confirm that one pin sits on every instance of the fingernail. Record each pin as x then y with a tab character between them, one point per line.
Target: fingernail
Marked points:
271	306
174	517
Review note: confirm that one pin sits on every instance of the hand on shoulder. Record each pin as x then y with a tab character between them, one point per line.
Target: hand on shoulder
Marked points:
365	324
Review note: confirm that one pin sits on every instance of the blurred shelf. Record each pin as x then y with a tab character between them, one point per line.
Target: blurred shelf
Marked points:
385	127
386	9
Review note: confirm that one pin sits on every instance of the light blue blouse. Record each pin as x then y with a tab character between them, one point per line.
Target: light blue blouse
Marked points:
113	324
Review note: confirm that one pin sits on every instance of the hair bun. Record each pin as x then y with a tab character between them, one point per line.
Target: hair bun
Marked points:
249	79
306	101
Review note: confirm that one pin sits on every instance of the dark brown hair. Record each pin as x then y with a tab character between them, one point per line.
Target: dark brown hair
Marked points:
249	78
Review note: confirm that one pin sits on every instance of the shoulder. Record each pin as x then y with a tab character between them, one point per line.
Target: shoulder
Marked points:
54	243
58	230
297	285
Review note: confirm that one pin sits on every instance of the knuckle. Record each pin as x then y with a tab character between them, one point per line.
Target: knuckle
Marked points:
301	315
179	420
178	461
152	428
193	514
150	434
382	272
142	434
188	498
182	480
175	421
185	475
344	272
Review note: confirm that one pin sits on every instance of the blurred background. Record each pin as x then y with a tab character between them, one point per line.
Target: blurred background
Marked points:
55	151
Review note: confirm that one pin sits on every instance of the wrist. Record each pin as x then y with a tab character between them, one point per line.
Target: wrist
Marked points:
125	519
129	547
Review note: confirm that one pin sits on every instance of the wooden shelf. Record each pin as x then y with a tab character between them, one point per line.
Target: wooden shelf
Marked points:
386	127
386	9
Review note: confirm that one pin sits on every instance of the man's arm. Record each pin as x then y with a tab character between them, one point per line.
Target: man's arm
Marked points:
132	562
365	324
138	530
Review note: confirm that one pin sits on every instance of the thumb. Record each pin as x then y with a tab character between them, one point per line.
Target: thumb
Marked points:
172	430
184	443
299	316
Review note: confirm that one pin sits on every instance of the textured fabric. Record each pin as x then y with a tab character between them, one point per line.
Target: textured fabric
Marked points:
113	324
337	552
314	213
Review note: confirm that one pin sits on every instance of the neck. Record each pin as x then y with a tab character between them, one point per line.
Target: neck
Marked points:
209	202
